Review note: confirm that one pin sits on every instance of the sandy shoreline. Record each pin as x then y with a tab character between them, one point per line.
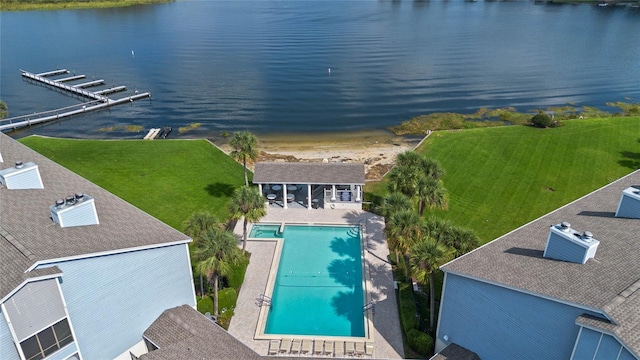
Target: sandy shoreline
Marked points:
377	149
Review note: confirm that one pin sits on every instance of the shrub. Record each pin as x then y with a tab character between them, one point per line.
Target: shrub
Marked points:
420	342
227	299
407	307
205	304
235	277
541	120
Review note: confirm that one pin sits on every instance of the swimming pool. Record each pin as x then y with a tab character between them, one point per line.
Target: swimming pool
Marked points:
319	288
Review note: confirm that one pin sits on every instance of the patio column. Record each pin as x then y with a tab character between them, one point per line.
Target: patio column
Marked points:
309	196
358	190
284	196
333	192
260	188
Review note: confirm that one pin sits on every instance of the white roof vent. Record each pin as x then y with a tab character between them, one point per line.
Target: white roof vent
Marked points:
74	210
629	206
567	244
21	176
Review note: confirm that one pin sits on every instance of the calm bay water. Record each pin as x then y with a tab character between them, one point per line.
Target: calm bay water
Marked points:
264	65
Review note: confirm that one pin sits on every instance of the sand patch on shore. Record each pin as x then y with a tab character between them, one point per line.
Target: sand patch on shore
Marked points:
377	149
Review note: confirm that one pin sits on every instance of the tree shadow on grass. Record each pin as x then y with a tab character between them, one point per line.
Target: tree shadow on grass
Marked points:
220	189
631	159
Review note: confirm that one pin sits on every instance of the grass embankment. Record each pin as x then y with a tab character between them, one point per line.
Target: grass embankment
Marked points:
24	5
169	179
503	177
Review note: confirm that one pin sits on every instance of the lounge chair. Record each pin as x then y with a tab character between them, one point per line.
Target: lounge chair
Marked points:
339	348
317	347
368	347
328	347
274	346
295	346
349	347
306	346
359	348
285	345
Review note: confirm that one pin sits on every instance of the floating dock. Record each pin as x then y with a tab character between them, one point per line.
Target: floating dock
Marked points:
97	99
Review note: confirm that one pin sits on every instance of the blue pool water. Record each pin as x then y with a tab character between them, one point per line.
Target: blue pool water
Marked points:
265	231
318	289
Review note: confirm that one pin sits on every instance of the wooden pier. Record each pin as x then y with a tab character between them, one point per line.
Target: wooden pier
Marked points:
97	99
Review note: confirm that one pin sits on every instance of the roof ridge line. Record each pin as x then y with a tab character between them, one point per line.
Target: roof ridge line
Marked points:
17	244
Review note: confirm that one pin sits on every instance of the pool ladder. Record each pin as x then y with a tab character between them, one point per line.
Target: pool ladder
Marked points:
263	300
370	306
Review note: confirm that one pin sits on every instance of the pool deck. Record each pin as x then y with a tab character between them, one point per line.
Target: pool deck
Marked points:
386	333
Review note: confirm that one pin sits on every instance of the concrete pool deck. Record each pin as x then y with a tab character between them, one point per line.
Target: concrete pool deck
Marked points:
385	332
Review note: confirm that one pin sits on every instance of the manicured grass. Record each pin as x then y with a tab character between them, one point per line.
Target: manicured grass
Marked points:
169	179
501	178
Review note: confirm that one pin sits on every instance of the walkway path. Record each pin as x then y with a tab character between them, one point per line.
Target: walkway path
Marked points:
386	324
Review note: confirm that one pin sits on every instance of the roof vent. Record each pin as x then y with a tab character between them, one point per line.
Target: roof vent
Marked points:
629	206
21	176
74	210
567	244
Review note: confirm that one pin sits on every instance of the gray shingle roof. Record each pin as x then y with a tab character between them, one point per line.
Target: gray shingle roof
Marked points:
308	173
455	352
515	260
183	333
28	234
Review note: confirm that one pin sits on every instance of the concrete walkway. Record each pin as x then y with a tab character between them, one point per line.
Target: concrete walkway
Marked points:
386	333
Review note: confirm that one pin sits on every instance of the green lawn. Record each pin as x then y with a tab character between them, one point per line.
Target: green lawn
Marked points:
169	179
501	178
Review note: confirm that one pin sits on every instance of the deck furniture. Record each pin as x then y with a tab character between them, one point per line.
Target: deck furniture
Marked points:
306	346
274	346
295	346
328	347
359	348
339	348
350	348
369	349
318	347
285	345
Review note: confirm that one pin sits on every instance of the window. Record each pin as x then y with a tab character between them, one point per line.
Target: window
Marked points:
47	341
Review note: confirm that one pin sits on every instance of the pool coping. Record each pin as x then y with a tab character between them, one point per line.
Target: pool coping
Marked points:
273	273
385	325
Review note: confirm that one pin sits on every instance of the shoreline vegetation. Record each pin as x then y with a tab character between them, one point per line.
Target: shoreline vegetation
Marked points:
28	5
485	117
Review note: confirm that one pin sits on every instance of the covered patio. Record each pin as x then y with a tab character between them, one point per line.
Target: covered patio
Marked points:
311	185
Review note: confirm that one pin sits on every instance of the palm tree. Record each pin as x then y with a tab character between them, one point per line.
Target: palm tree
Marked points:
431	194
464	240
244	148
247	202
409	158
426	166
461	240
216	252
403	179
426	256
431	168
403	229
394	202
196	226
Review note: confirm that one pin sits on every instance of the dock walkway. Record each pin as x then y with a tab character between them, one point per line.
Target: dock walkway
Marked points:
97	99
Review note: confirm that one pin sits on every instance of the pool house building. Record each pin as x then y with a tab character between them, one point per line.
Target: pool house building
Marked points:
311	185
